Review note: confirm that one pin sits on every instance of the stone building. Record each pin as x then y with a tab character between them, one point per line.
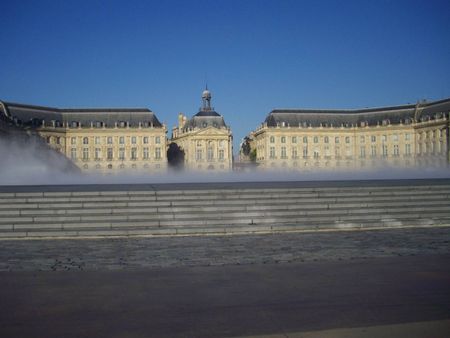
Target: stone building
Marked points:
99	140
205	139
401	136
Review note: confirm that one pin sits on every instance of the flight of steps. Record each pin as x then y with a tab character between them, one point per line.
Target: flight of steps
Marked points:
67	212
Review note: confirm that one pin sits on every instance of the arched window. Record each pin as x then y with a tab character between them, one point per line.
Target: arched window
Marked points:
85	140
272	139
326	139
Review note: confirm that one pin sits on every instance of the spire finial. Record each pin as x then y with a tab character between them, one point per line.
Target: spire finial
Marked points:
206	98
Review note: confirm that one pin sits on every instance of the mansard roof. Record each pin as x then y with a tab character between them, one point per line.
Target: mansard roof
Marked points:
349	117
85	116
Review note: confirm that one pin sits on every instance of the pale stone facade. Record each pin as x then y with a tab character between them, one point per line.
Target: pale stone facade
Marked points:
404	136
99	140
205	139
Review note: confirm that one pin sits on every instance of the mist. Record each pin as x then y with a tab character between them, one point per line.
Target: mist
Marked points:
32	163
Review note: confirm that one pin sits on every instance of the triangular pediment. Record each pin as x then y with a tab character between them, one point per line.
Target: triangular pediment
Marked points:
211	131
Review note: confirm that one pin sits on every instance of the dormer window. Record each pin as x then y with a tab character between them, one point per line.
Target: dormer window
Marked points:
98	124
122	124
74	124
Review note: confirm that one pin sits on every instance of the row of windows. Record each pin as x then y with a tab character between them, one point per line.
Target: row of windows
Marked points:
100	124
348	152
209	154
337	139
109	140
121	166
121	154
210	143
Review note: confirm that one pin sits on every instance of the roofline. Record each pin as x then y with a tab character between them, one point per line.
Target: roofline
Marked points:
361	110
77	110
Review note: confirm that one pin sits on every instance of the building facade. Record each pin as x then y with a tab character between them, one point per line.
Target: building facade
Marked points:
205	139
99	140
401	136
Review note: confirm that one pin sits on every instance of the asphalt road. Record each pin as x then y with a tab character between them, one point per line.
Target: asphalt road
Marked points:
392	281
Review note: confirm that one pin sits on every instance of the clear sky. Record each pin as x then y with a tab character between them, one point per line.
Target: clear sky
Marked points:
255	55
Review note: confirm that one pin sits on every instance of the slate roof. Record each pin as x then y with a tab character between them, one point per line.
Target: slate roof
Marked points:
205	118
349	117
85	116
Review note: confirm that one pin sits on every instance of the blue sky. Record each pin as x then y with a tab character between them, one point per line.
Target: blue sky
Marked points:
255	55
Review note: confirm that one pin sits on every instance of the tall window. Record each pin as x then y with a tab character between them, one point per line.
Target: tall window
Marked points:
326	139
316	139
395	137
145	153
121	140
316	154
198	155
283	152
109	154
305	152
373	138
283	139
336	139
294	152
305	139
272	152
396	151
385	150
85	140
407	136
157	139
362	139
158	153
407	149
221	154
134	153
109	140
294	139
145	140
121	154
384	138
73	140
362	152
373	150
272	139
210	154
97	155
97	140
85	154
133	140
347	139
73	153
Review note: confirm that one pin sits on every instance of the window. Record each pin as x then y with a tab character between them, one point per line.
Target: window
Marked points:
305	139
158	153
373	138
97	154
272	152
384	138
336	139
347	139
73	140
121	154
294	152
283	152
385	150
294	139
98	124
145	153
373	150
305	152
133	140
210	154
74	124
158	140
145	140
283	139
85	154
109	140
49	139
316	139
362	152
121	140
97	140
407	136
221	154
362	139
122	124
316	154
134	153
85	140
198	155
73	153
407	149
396	152
109	154
327	151
221	143
337	151
58	140
272	139
395	137
326	139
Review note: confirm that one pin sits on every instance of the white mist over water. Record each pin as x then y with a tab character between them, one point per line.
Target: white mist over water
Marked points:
30	164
